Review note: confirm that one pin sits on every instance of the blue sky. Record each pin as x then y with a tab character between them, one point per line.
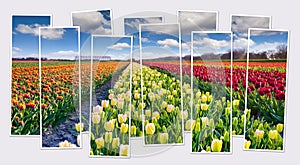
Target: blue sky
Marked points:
266	40
216	43
240	25
92	22
160	41
118	48
25	35
195	21
59	43
131	27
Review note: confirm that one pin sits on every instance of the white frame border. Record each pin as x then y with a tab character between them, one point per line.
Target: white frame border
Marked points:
141	64
79	87
91	93
192	93
11	62
286	91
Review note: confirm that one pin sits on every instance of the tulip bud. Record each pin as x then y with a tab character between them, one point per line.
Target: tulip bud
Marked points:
273	134
156	115
133	130
100	143
136	96
163	138
147	113
164	129
170	108
124	150
209	98
247	144
189	124
197	127
204	107
96	118
108	137
105	103
109	126
205	121
226	136
174	92
113	102
79	127
235	121
236	103
124	128
198	94
208	149
261	126
184	115
115	143
279	127
259	134
204	99
216	145
227	111
150	129
98	109
122	118
164	104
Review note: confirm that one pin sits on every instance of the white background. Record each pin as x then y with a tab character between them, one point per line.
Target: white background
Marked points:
26	150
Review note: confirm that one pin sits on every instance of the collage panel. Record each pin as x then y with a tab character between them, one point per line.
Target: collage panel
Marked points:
110	96
266	94
160	88
211	92
131	27
90	22
25	92
239	27
60	122
191	20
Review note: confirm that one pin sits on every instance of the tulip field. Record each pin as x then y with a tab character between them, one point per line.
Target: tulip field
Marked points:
25	96
162	109
110	120
265	105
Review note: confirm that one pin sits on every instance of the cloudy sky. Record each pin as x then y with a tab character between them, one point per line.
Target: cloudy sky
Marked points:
59	43
159	40
118	48
25	35
240	25
264	40
195	21
215	43
131	27
92	22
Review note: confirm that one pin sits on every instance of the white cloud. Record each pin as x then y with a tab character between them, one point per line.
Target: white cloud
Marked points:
186	45
135	22
167	43
16	49
242	43
92	22
211	44
119	46
171	29
145	40
266	46
28	29
52	33
265	32
62	54
240	24
193	21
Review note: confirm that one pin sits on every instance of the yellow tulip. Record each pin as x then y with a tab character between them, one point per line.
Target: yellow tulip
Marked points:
216	145
124	128
109	126
122	118
247	144
163	138
124	150
79	127
273	134
108	137
189	124
99	142
115	143
279	127
150	129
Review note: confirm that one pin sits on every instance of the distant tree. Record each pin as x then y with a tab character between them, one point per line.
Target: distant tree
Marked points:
281	51
239	54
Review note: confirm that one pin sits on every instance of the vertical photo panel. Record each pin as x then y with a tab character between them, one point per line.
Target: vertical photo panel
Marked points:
161	84
131	27
25	92
90	22
239	28
191	20
110	96
211	92
60	87
266	89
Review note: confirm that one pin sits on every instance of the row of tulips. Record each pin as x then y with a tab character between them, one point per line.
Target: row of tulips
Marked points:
110	121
